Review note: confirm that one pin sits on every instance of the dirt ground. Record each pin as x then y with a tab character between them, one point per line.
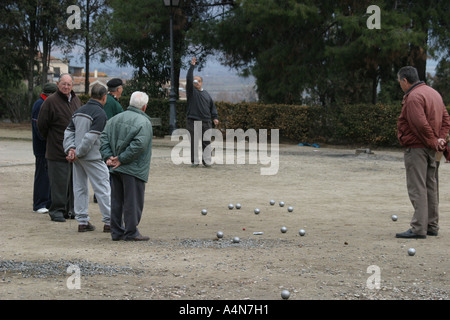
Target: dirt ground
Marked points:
343	201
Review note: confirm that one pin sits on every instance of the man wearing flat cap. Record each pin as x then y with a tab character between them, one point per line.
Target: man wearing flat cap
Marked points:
41	187
112	106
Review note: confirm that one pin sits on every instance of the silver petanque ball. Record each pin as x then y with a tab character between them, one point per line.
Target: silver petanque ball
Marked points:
285	294
283	229
411	251
238	205
219	234
302	232
257	211
230	206
281	204
236	240
394	217
290	209
272	202
204	212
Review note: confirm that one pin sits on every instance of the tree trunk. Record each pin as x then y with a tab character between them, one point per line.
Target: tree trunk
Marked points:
87	48
32	54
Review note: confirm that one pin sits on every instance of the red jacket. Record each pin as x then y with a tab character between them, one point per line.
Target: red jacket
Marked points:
423	119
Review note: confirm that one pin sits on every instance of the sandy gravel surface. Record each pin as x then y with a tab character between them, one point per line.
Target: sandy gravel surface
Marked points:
343	201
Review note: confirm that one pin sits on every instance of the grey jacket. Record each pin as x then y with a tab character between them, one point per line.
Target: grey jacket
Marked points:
84	130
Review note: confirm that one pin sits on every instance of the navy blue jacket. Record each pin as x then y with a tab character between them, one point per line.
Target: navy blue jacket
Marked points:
39	142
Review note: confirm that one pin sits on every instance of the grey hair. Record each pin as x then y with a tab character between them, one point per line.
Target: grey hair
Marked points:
98	91
138	99
409	73
65	74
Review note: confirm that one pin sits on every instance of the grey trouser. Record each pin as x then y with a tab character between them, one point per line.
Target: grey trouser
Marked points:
97	173
60	177
127	203
420	167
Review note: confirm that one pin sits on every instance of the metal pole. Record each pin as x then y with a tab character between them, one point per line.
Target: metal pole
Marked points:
172	95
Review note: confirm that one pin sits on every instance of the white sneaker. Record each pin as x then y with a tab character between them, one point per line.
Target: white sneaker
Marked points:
42	210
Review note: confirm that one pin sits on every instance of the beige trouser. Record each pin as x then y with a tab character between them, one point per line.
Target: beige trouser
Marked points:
420	164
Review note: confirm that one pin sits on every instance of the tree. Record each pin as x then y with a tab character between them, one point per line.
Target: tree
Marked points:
145	45
441	81
92	37
24	26
322	51
52	29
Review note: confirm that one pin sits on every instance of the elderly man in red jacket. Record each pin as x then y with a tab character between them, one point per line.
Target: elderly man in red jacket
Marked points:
422	127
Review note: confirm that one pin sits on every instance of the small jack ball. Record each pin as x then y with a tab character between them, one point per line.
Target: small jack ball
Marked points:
285	294
411	251
257	211
290	209
204	212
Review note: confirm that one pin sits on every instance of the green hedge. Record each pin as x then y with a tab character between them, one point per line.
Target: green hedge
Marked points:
362	124
371	125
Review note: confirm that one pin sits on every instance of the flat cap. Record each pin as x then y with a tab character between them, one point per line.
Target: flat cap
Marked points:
49	88
114	83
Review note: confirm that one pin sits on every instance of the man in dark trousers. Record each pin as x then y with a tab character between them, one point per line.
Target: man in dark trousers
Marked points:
423	126
41	187
201	111
126	146
54	117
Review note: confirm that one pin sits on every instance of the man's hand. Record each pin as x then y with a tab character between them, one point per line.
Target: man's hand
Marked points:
71	156
441	144
194	61
216	122
113	162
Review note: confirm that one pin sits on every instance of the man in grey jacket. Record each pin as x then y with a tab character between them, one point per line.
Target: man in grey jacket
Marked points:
126	146
82	146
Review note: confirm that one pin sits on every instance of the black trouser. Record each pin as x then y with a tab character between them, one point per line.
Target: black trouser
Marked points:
127	203
61	186
41	189
205	125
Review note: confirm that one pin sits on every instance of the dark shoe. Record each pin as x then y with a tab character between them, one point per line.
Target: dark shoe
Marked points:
194	165
57	217
410	235
95	199
116	238
432	233
107	228
85	227
138	238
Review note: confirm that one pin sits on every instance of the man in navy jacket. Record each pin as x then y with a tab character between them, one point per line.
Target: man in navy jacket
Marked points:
41	187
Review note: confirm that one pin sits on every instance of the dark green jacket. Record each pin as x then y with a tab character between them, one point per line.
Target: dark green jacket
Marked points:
128	135
112	106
